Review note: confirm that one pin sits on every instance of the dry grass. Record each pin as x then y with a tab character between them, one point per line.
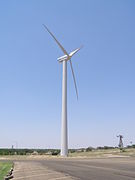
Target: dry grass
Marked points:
92	154
105	153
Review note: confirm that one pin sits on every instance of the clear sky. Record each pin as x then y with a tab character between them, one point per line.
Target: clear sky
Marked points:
31	77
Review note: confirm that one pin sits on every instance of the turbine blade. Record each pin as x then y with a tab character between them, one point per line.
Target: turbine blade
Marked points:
75	51
64	51
74	78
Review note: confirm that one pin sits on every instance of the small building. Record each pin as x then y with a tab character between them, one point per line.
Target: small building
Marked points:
35	153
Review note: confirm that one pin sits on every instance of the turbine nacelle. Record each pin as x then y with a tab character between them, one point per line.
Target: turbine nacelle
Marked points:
63	58
68	57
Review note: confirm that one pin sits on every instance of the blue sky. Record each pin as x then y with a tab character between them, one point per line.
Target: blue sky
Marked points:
30	76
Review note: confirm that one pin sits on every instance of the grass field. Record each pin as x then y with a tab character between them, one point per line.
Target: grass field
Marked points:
4	169
95	153
105	153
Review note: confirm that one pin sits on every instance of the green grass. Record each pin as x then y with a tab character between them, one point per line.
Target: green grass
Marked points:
4	169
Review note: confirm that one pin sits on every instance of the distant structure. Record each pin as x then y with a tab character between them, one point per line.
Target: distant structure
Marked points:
131	142
35	153
120	141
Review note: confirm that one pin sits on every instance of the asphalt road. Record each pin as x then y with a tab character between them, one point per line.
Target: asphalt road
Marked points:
91	169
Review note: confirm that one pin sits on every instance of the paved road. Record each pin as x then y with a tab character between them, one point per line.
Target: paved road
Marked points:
36	171
87	169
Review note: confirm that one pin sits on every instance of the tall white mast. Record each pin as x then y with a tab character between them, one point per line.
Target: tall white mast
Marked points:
63	60
64	130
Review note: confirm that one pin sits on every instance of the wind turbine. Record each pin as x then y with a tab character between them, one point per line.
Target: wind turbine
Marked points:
120	141
63	60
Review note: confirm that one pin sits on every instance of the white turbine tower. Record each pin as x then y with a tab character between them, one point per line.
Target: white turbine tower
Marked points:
64	59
